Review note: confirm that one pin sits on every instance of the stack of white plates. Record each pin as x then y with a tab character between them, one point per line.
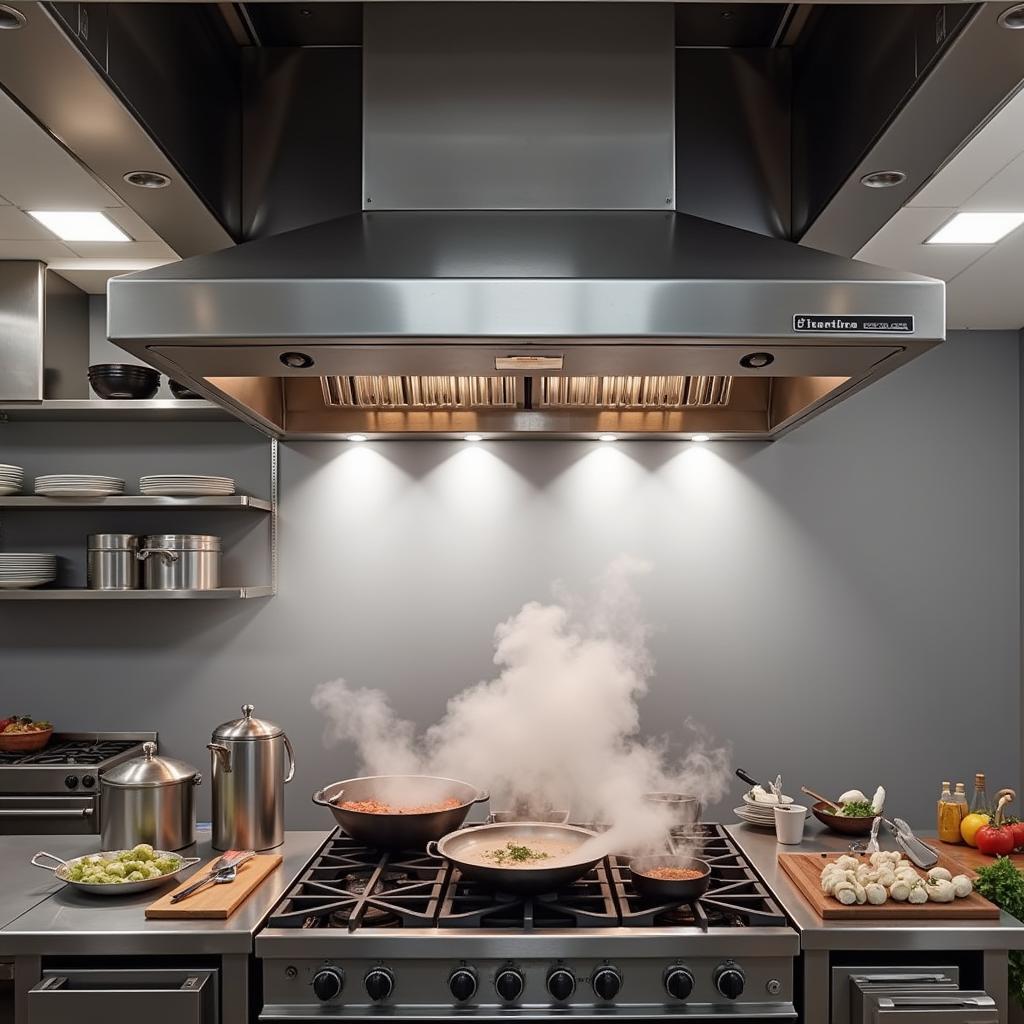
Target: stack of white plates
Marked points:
180	485
76	485
11	479
31	569
760	813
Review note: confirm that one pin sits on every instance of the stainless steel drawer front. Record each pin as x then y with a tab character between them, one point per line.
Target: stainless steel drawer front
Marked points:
48	815
156	997
940	1008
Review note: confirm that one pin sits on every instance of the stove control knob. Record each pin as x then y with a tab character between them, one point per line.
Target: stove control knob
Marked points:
88	781
380	983
561	984
678	982
729	980
328	983
606	981
509	984
71	781
462	984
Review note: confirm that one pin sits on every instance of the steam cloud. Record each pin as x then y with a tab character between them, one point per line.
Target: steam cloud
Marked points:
558	728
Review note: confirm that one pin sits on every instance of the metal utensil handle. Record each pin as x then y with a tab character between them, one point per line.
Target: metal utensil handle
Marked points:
196	886
36	861
166	554
481	797
42	812
432	850
746	777
291	759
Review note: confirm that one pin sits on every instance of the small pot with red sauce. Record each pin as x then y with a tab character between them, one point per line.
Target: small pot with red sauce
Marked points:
667	878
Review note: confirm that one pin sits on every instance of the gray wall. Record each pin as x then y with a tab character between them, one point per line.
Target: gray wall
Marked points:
843	605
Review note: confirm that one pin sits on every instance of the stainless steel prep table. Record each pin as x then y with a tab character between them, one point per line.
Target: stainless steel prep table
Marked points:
818	938
64	922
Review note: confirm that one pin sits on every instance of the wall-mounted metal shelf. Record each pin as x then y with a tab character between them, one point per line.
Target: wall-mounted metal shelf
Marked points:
134	501
221	593
114	410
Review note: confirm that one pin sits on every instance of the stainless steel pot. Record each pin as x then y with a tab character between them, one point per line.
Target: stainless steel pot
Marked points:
251	760
399	831
463	847
180	561
684	809
148	799
112	561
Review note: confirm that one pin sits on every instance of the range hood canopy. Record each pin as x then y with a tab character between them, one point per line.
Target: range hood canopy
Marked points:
556	324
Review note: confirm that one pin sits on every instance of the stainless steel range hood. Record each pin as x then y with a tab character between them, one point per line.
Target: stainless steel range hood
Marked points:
544	324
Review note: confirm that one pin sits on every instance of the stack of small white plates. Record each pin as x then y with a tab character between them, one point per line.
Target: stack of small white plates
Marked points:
11	479
181	485
759	813
76	485
30	569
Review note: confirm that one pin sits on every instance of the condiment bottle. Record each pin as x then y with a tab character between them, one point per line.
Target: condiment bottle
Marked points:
948	816
960	799
980	804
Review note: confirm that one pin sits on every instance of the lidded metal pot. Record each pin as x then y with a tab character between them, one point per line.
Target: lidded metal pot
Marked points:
148	799
180	561
251	762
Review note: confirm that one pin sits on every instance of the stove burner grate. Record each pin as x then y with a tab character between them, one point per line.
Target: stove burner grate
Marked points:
69	752
351	886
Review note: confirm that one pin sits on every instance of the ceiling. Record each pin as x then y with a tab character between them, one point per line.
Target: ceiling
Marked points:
37	173
985	282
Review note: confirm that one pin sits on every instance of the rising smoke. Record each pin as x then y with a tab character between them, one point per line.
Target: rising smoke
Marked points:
557	728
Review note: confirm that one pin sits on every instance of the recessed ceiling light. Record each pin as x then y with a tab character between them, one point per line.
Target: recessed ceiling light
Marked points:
607	437
976	228
1013	17
473	437
147	179
701	438
10	18
883	179
80	225
357	437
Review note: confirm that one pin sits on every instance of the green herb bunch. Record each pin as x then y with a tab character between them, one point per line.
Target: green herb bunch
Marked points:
858	809
1003	884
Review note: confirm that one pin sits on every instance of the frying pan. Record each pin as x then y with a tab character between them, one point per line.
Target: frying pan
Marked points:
458	848
399	831
667	890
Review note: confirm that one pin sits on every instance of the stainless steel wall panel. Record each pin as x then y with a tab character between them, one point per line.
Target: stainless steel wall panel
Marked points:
518	106
22	295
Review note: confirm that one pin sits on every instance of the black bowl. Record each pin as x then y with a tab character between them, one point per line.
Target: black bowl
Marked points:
123	380
182	391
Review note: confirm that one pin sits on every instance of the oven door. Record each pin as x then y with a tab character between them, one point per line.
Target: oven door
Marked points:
154	997
48	815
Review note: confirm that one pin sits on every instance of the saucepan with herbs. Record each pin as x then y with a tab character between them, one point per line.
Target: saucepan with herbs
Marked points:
521	857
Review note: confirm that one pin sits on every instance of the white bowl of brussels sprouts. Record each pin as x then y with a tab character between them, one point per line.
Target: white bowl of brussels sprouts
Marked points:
117	872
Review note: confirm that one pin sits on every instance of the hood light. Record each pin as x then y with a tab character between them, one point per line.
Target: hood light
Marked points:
10	18
473	437
147	179
607	437
883	179
80	225
1013	17
976	229
357	437
701	438
296	360
757	360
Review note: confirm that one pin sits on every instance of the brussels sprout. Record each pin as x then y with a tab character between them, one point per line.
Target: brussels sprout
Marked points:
143	852
75	872
153	871
116	870
135	876
125	855
167	864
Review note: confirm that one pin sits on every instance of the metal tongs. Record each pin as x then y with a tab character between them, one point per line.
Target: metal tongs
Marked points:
222	870
920	853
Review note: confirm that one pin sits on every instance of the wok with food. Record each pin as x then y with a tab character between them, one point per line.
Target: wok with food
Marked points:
521	857
399	811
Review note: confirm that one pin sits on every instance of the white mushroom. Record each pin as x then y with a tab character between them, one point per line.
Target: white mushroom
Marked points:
876	893
886	877
847	863
962	886
940	890
860	892
940	873
899	890
845	893
851	794
918	894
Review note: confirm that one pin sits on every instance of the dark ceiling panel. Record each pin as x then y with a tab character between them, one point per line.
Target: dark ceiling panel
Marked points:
296	24
746	25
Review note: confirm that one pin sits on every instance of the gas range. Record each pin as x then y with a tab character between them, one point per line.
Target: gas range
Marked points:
56	790
362	933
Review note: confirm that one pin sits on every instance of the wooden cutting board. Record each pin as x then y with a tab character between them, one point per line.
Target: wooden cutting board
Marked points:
215	901
970	858
805	871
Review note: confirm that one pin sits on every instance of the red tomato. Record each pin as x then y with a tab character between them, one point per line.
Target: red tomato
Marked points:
995	840
1017	829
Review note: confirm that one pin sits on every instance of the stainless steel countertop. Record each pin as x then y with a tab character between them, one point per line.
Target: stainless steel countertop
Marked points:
762	851
60	920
